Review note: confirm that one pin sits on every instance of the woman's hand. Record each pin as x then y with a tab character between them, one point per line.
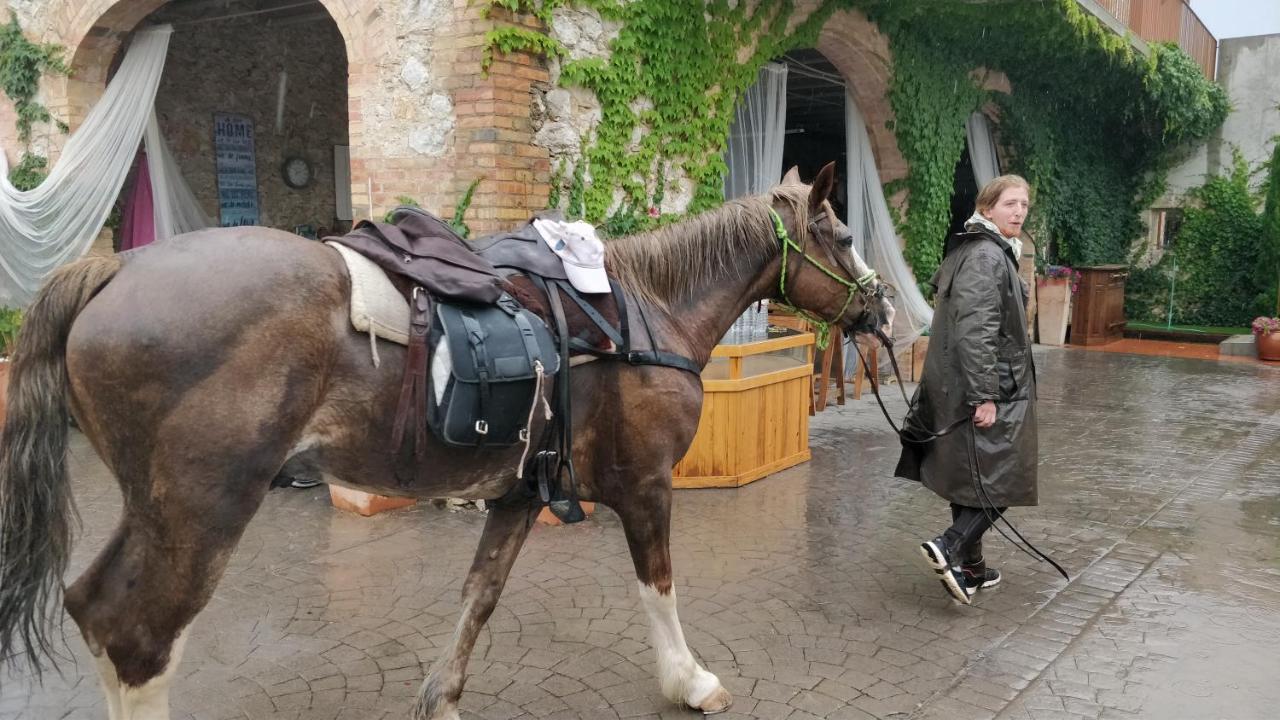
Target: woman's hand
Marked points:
984	416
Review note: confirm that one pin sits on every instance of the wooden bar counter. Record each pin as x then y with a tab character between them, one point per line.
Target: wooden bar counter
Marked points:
755	412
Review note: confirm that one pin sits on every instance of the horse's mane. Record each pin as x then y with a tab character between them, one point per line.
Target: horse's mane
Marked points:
668	265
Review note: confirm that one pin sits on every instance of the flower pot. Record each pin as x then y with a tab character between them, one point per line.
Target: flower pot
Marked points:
1268	345
4	388
1053	309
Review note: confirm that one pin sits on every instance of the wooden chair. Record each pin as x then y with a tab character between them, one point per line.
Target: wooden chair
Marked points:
832	357
870	349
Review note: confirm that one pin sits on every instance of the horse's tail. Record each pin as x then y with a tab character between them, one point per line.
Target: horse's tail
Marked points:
36	508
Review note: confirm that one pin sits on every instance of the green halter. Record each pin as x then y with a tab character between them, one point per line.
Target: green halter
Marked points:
856	286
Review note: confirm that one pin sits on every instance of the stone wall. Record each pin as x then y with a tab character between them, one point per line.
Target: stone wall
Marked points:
234	67
565	117
424	122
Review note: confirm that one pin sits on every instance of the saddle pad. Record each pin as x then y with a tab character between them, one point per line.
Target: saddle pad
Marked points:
377	307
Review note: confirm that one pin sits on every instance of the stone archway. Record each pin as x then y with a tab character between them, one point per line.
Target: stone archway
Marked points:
92	31
855	46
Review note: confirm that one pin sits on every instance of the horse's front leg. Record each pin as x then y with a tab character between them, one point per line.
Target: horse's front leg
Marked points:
504	534
646	519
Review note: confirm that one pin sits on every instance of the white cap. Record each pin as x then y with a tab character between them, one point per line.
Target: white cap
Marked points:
580	250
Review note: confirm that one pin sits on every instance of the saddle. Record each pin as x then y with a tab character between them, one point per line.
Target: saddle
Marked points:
488	307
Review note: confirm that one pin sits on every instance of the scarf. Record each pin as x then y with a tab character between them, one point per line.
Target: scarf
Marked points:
978	220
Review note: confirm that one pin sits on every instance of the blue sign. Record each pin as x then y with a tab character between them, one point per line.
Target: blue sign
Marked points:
237	170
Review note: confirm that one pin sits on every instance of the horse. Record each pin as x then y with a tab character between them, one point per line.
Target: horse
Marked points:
203	367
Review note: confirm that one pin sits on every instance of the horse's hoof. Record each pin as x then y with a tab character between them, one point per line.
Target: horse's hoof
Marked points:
717	702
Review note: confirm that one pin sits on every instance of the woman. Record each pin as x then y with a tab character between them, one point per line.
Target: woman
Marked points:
979	369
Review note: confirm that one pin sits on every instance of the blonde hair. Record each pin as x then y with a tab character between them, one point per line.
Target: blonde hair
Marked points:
991	192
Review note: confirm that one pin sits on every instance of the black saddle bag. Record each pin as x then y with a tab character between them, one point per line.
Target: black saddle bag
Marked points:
484	372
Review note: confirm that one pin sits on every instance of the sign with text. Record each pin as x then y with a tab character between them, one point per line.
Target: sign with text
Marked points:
237	170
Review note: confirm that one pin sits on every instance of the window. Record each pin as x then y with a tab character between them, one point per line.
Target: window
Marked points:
1164	227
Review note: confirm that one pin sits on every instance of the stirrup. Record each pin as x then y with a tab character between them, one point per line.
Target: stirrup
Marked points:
567	511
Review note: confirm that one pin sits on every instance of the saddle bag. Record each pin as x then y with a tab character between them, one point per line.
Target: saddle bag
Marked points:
485	372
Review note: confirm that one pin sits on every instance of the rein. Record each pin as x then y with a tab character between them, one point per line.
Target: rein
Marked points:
859	285
980	490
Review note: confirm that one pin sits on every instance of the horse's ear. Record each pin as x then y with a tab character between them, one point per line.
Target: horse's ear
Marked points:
822	186
793	176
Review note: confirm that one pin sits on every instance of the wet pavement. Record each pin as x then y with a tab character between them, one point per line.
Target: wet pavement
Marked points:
1160	492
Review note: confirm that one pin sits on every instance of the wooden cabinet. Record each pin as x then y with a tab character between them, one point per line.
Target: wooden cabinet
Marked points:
755	412
1097	316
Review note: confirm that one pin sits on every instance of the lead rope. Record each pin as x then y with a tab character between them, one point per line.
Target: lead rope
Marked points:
980	490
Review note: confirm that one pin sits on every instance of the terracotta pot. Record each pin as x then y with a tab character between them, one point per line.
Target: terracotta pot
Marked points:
4	388
1268	345
1053	309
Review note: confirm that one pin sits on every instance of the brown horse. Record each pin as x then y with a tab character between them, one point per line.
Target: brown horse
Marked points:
201	367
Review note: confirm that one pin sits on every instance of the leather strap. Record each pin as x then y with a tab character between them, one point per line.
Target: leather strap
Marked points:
475	341
413	387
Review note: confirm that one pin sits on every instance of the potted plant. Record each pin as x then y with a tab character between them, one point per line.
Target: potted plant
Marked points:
1054	288
10	321
1266	337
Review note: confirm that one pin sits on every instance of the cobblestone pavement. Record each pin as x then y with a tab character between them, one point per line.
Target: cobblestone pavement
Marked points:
803	592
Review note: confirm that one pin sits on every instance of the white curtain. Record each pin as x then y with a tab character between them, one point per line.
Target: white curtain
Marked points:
754	154
754	158
176	209
875	237
982	149
56	222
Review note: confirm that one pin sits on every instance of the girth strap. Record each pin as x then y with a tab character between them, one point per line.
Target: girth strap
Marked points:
413	389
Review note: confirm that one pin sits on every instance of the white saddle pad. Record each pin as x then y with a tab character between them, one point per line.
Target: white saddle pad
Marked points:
377	307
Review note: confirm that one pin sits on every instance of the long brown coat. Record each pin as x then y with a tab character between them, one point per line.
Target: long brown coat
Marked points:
978	351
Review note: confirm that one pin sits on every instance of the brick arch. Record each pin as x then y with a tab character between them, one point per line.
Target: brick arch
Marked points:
858	50
92	31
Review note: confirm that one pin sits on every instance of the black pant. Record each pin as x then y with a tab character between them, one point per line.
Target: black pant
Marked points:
964	537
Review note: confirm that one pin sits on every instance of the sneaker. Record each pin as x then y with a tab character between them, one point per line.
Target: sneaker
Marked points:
303	483
978	577
936	553
938	556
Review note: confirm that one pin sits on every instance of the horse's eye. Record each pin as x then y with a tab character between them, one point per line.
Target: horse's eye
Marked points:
845	241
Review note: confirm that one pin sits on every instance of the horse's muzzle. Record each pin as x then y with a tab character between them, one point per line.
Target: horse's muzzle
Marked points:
876	314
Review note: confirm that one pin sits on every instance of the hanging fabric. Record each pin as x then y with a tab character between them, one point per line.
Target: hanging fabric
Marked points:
177	210
754	153
137	222
754	159
57	221
982	149
874	233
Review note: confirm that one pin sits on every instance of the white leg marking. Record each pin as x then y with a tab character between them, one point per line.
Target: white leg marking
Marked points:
150	701
110	685
683	681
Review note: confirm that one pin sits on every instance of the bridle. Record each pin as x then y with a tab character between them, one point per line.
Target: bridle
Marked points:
863	286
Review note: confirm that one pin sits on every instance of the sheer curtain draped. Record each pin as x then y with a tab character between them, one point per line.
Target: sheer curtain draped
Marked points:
874	235
754	159
982	149
754	153
56	222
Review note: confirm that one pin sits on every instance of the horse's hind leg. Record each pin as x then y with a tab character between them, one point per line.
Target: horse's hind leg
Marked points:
136	601
646	518
504	534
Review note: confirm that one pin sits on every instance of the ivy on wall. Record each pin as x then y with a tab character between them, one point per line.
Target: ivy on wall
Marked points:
1220	270
677	70
1268	269
1092	123
22	64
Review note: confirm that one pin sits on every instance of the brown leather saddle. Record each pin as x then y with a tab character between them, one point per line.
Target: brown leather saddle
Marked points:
428	262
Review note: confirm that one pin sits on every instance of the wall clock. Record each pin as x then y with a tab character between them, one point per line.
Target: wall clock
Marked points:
297	172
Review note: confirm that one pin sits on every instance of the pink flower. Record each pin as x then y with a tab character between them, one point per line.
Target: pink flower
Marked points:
654	212
1265	325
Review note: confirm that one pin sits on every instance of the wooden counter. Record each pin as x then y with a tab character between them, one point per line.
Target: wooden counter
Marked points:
755	413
